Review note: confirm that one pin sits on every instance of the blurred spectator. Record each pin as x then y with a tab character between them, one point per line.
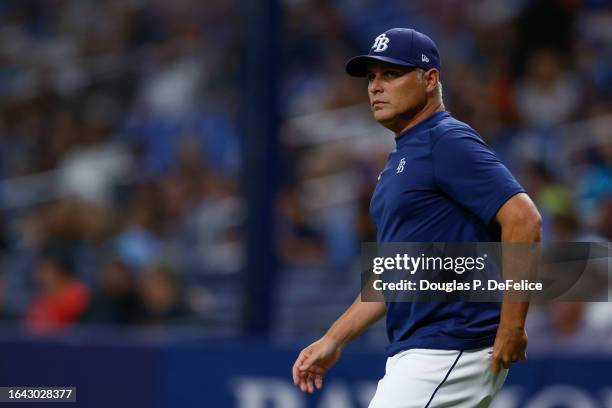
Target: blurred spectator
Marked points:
596	184
171	88
211	234
93	167
564	228
139	244
553	198
549	94
61	299
299	244
161	294
117	300
567	318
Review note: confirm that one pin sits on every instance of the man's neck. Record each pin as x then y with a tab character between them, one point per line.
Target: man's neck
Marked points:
426	112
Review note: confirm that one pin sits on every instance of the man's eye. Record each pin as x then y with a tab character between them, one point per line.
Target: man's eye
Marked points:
393	74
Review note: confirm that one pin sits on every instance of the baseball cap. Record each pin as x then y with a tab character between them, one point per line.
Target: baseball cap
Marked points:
400	46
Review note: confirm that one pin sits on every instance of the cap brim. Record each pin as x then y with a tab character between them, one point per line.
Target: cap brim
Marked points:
357	66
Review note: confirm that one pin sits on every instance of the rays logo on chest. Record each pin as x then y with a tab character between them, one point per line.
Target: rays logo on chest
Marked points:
400	166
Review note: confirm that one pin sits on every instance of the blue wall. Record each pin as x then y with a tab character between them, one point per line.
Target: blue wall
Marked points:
252	374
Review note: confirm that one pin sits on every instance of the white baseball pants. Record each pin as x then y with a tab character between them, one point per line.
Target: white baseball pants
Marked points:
426	378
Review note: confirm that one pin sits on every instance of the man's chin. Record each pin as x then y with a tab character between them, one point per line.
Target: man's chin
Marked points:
384	118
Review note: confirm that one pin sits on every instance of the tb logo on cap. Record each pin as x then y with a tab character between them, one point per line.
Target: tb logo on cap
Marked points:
381	43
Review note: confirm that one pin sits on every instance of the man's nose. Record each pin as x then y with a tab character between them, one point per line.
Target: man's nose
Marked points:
374	86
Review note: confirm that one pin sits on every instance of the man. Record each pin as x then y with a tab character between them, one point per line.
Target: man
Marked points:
453	189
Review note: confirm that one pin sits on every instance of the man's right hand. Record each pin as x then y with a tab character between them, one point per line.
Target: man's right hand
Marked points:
313	362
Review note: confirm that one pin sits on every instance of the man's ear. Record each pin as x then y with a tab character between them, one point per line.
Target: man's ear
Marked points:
432	77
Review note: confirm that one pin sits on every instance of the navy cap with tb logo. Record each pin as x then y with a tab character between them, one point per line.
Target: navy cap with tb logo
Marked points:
400	46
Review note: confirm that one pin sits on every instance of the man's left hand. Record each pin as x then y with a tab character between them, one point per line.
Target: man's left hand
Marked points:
510	346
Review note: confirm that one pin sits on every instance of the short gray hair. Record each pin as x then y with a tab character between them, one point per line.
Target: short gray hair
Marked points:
421	71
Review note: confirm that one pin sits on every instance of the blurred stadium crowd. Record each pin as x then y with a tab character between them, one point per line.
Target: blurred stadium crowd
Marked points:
120	149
